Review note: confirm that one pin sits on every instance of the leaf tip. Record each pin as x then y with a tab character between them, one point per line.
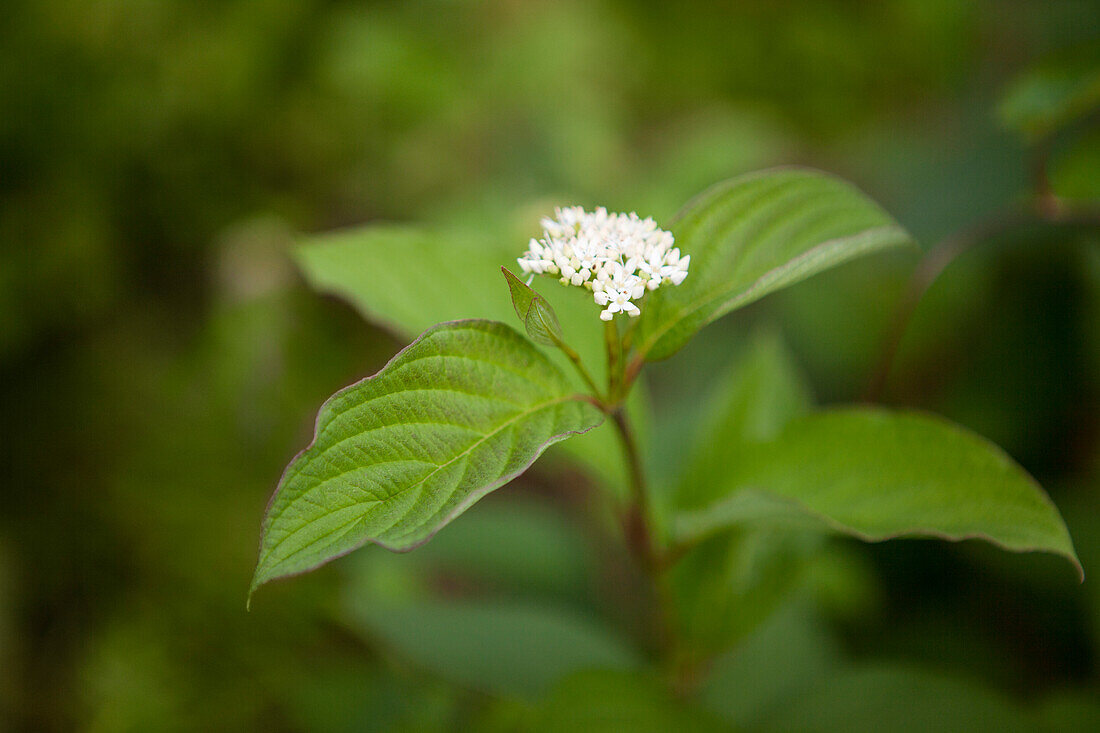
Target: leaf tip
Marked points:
253	586
1076	562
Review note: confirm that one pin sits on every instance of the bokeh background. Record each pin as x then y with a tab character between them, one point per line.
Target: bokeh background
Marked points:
161	360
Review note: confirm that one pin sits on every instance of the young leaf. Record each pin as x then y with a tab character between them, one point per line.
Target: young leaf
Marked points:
533	311
461	411
876	474
753	235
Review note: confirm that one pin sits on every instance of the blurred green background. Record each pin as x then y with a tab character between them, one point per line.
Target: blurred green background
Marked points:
161	360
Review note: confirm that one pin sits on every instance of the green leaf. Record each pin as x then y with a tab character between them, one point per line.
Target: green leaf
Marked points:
517	545
407	279
618	701
762	392
509	544
461	411
1066	710
534	312
725	587
884	697
507	648
1054	93
876	474
789	653
755	234
421	287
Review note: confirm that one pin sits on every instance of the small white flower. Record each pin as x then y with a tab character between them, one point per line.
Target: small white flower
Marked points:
619	257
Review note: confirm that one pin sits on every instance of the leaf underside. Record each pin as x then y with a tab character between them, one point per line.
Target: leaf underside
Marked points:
755	234
876	474
461	411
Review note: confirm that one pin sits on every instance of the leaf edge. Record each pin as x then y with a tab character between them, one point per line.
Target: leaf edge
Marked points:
474	497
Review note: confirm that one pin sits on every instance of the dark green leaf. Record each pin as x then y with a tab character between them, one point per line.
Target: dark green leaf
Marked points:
1068	711
887	698
728	585
876	474
1073	169
508	544
1054	93
753	235
534	312
618	701
507	648
523	545
461	411
788	654
761	393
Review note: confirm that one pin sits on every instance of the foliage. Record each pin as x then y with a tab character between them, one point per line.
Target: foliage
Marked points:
162	361
469	405
463	410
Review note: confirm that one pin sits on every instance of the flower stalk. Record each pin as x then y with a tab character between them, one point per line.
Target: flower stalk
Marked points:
619	258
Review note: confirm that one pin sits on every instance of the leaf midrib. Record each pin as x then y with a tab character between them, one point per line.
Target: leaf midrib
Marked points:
399	492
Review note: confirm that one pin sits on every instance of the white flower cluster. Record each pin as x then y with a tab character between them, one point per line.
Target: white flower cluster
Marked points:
616	256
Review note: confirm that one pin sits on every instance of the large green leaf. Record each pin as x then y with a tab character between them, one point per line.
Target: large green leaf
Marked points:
515	545
729	584
502	648
885	697
876	474
755	234
406	279
789	653
512	544
753	402
461	411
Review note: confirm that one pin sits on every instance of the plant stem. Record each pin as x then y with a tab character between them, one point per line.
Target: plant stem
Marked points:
640	530
638	522
1048	210
581	369
640	533
632	370
614	359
